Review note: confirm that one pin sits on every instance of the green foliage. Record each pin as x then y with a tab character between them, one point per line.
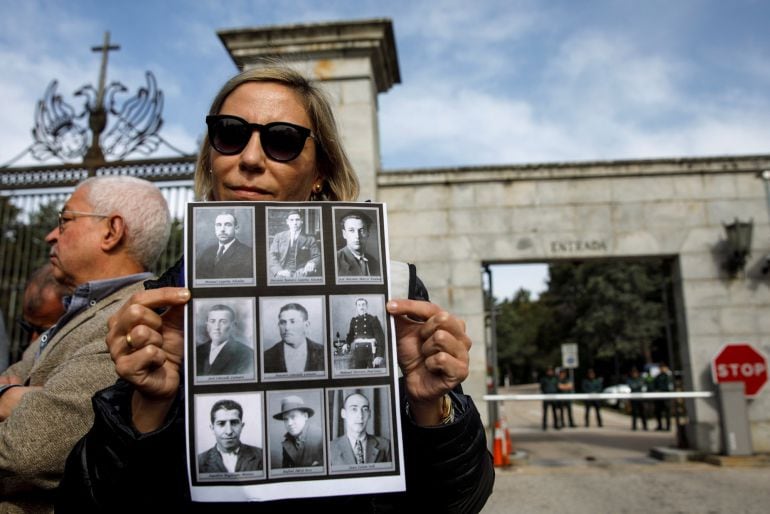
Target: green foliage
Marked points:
22	250
521	327
173	249
613	310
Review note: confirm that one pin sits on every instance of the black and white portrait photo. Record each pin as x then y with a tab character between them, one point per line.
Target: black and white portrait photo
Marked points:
224	339
293	337
358	335
357	242
224	246
229	437
295	248
359	425
296	427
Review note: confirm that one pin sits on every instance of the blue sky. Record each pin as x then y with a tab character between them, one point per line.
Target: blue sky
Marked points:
487	82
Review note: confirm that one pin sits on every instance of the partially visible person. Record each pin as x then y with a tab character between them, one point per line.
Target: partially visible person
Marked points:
137	443
549	384
352	259
302	444
356	446
295	352
110	232
223	354
292	253
42	305
229	257
229	454
663	383
366	338
566	386
592	384
637	385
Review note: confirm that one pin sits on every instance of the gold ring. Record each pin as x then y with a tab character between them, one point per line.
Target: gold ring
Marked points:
128	340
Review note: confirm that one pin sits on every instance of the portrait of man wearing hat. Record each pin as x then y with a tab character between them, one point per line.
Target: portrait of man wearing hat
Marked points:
302	444
353	259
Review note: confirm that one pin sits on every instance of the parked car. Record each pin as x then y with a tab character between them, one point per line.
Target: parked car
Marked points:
617	388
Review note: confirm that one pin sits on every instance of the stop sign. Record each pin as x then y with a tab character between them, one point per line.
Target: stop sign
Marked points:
740	362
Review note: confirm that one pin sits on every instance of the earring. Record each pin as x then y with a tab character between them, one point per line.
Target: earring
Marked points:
315	195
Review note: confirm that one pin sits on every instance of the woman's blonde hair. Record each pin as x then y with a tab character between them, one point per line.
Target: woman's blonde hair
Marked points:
332	164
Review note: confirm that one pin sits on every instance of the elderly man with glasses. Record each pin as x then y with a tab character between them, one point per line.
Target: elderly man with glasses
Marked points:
109	233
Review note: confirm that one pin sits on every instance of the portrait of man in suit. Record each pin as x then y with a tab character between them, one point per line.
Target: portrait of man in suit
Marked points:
353	260
228	257
295	352
229	454
223	353
356	445
294	255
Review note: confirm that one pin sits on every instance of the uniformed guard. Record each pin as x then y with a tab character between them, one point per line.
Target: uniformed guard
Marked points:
549	384
592	384
366	338
637	385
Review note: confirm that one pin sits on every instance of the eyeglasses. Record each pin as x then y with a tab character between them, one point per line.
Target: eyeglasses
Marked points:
30	328
74	215
281	141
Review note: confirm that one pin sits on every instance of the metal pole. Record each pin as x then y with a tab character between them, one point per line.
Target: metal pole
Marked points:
492	407
765	175
766	179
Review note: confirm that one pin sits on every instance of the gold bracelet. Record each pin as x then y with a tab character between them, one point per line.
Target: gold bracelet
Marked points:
447	410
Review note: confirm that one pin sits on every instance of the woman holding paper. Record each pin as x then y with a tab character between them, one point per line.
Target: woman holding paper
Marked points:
272	137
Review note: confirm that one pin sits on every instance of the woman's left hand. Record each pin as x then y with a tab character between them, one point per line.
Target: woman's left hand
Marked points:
432	354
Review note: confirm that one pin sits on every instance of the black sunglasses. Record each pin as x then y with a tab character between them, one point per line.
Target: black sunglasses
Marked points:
281	141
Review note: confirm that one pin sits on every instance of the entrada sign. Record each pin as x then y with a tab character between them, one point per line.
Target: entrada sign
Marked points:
595	245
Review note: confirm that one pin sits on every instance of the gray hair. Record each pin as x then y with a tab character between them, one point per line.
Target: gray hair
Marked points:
143	209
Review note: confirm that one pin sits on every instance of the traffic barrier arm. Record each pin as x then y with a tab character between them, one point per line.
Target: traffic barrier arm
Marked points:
598	396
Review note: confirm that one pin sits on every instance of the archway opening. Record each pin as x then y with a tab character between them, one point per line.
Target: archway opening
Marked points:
620	313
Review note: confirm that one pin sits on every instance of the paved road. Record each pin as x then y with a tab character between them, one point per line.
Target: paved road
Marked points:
608	470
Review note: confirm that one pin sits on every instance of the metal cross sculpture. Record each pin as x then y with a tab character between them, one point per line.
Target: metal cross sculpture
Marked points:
111	128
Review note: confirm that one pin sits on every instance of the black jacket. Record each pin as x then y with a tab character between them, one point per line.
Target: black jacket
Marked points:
114	468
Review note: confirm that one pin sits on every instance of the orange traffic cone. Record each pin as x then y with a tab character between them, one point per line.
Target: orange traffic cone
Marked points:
498	446
500	455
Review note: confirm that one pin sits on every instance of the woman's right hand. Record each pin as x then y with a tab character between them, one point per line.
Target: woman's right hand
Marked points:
148	351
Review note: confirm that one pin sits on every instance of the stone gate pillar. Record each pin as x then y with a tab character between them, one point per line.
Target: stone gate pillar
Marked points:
355	60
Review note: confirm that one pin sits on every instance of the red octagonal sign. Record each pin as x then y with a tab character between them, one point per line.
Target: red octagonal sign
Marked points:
740	362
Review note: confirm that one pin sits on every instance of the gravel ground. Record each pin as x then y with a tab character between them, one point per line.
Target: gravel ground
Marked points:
608	470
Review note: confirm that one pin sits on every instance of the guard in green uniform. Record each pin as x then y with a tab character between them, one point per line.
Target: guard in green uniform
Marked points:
549	384
593	384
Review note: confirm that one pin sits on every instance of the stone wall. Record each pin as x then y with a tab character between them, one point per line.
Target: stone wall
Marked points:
449	222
